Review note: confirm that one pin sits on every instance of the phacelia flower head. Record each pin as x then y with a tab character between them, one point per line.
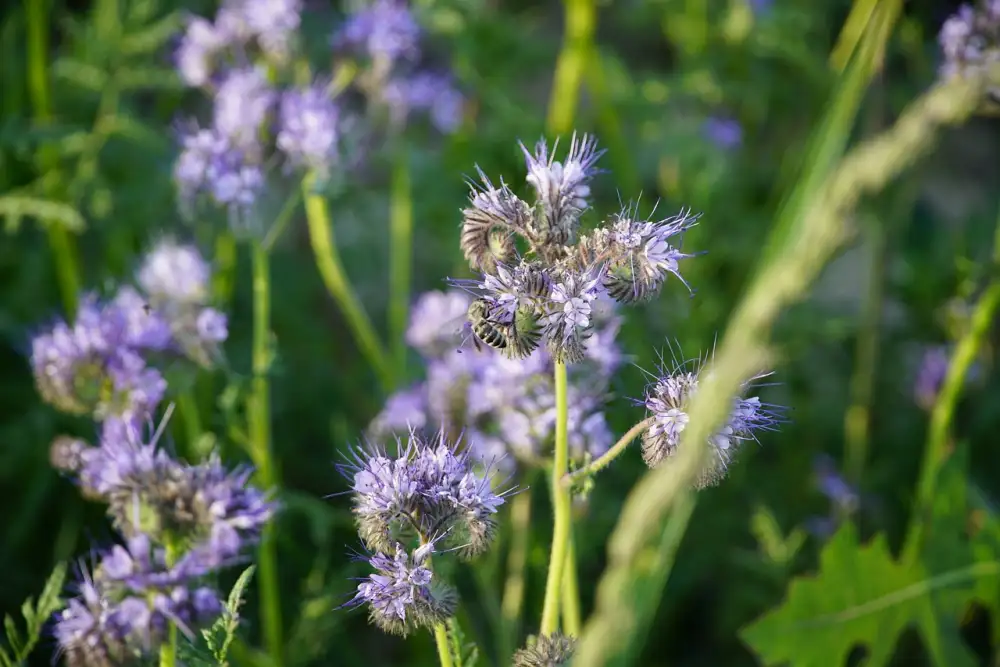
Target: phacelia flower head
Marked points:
429	486
176	280
385	31
432	93
308	127
555	650
547	293
124	610
243	103
402	594
666	401
970	40
199	50
94	366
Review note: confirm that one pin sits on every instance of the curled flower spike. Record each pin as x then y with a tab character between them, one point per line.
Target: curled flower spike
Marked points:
666	401
403	594
428	488
555	650
490	222
562	188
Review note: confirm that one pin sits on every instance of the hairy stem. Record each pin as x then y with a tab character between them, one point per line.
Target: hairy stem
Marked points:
400	251
443	648
517	559
944	408
331	269
572	621
605	459
561	507
260	447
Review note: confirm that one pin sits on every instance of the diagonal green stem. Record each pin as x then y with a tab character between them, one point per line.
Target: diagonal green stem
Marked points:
605	459
944	408
443	649
561	507
572	621
400	252
331	268
260	446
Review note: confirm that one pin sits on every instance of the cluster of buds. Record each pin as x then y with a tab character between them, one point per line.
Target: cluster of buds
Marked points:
547	293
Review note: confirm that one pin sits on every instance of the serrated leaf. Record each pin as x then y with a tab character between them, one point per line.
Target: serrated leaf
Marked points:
151	38
13	639
220	636
861	596
13	208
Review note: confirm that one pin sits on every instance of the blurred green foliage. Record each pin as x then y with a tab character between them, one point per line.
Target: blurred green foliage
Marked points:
94	160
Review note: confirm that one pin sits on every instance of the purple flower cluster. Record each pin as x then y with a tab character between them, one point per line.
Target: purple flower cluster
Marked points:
204	512
666	401
549	293
970	40
99	364
427	491
506	407
385	38
844	498
123	611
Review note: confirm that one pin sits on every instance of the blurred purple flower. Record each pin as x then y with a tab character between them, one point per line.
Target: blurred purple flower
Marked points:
725	133
243	102
385	31
425	92
930	377
970	39
308	132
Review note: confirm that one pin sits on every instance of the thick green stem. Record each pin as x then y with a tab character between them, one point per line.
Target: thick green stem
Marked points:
400	253
441	640
60	242
517	559
260	447
936	451
572	621
224	277
561	507
605	459
332	271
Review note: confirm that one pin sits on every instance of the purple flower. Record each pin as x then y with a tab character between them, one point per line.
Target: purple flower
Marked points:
426	92
970	39
175	273
933	369
274	23
437	322
428	486
198	51
562	188
567	322
308	127
725	133
243	102
833	486
385	31
666	402
400	593
93	367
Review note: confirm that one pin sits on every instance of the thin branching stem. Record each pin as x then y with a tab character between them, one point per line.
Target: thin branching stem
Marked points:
605	459
962	359
517	558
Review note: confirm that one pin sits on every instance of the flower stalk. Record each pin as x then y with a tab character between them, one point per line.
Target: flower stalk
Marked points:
562	508
605	460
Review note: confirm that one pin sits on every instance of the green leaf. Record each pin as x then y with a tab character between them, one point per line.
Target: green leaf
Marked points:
13	208
220	636
861	596
148	78
35	616
151	38
79	73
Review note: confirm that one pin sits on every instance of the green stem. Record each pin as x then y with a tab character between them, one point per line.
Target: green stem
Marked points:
944	408
400	251
168	651
572	620
224	278
517	559
60	242
605	459
188	407
332	271
444	650
561	507
282	221
581	18
260	446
